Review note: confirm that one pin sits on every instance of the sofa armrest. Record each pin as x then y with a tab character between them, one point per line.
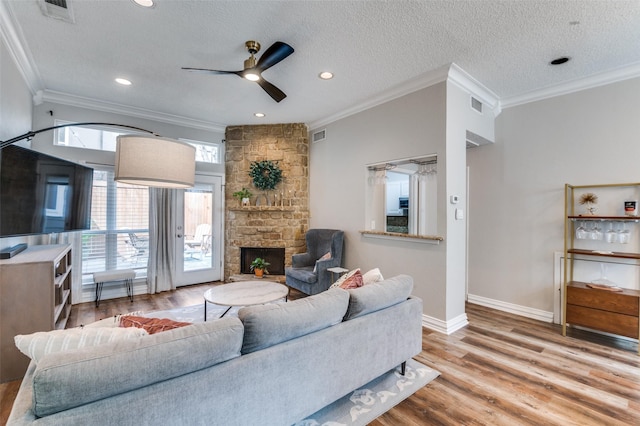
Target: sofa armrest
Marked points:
301	260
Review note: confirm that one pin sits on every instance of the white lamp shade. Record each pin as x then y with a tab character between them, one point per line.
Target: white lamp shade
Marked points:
155	161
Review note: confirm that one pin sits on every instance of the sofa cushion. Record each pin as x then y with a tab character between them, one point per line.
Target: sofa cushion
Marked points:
268	325
377	296
69	379
41	343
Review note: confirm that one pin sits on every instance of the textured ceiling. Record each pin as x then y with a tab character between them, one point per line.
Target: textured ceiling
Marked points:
370	46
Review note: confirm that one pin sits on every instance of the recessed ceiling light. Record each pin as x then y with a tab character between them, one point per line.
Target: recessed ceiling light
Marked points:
326	75
560	61
123	81
259	114
144	3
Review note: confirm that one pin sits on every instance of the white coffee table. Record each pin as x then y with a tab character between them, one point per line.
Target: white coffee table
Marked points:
244	293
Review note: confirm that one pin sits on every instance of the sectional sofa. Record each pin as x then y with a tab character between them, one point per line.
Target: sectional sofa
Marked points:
272	365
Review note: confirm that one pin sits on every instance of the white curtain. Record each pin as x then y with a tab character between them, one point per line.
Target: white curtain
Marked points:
161	240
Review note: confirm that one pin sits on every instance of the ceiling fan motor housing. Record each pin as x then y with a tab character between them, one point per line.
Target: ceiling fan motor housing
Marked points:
253	47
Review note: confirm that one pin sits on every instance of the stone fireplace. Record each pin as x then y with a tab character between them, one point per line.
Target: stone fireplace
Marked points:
280	224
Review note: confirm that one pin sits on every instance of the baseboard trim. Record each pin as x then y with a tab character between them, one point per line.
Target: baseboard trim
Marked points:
537	314
445	327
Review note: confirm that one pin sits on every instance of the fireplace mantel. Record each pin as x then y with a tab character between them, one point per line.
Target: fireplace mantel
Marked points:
264	208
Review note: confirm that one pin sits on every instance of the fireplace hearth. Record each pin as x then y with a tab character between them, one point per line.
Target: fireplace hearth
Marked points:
273	255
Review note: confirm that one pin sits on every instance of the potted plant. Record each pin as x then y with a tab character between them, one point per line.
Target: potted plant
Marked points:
259	267
243	195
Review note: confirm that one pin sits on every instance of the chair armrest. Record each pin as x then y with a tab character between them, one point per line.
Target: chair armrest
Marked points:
301	260
323	265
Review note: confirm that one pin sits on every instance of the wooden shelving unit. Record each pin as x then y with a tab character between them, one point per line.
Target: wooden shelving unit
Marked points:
35	295
606	310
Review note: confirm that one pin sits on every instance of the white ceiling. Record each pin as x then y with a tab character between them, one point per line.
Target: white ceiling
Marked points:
372	47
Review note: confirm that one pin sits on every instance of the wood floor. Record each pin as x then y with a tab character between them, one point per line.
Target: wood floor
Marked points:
501	369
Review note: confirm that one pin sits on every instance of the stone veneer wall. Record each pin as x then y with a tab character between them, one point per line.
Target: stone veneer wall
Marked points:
266	226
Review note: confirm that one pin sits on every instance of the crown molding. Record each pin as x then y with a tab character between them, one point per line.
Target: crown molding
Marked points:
466	82
10	32
82	102
595	80
422	81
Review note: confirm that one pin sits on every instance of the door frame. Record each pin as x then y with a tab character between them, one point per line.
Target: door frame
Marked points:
181	277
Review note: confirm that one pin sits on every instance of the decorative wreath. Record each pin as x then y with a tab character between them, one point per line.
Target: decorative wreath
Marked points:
265	174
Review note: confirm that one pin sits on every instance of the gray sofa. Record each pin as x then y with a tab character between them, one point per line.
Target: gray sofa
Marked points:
273	365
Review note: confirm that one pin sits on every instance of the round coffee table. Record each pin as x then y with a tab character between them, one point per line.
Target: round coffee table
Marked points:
244	293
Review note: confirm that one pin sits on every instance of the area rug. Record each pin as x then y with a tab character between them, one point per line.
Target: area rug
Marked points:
357	408
373	399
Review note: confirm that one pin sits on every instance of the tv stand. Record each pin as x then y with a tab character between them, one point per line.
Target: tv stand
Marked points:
35	295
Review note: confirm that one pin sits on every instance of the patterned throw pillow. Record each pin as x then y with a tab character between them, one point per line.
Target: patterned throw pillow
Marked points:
39	344
344	277
325	256
354	281
151	325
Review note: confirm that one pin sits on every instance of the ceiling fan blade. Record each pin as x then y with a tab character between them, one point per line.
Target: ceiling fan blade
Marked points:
272	90
274	54
208	71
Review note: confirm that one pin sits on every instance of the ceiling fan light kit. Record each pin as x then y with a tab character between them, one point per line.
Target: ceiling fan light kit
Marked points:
253	70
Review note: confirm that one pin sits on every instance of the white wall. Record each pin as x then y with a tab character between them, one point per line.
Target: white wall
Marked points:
15	98
517	185
410	126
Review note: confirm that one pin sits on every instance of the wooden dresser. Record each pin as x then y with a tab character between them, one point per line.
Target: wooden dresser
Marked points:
604	310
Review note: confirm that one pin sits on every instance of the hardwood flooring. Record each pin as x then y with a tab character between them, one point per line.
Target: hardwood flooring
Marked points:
501	369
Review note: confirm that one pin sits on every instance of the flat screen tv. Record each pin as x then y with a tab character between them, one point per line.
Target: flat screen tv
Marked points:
41	194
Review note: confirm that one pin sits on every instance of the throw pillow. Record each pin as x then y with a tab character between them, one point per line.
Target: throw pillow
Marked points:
39	344
345	277
113	321
151	325
354	281
324	257
372	276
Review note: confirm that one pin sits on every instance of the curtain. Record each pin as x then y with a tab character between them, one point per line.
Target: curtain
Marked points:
161	240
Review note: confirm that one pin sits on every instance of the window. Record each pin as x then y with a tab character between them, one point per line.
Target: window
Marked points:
93	137
104	139
205	152
119	234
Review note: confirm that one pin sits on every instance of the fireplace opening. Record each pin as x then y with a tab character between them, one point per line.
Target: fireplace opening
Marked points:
273	255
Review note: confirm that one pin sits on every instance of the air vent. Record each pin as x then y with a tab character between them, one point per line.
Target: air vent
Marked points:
476	104
57	9
319	136
474	140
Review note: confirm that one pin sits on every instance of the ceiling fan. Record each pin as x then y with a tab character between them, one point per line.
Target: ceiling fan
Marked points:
252	71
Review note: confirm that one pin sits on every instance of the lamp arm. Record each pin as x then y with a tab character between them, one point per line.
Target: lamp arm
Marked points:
32	133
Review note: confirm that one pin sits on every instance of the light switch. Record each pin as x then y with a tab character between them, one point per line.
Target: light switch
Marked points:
459	214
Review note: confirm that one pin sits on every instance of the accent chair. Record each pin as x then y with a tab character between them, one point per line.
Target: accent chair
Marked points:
308	272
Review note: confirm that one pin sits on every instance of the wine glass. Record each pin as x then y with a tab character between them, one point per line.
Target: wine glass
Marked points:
581	231
623	234
611	236
596	232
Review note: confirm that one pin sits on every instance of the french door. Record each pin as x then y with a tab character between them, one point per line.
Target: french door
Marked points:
199	214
